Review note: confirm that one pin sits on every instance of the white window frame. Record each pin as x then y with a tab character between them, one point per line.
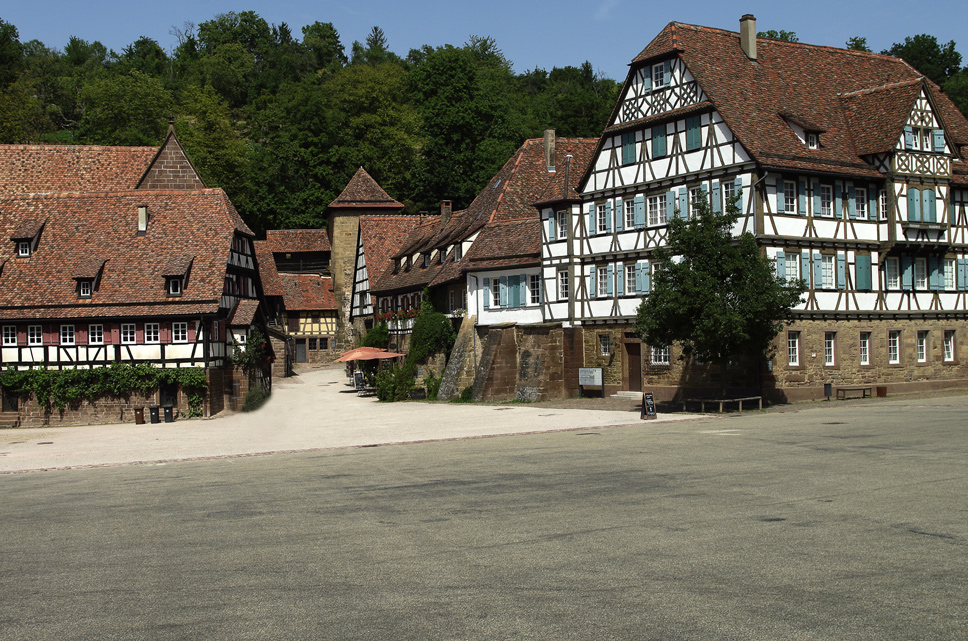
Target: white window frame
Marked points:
601	219
920	273
865	348
129	334
174	286
605	344
95	334
922	337
894	346
793	269
561	224
495	292
789	197
793	349
926	143
84	288
860	203
813	140
35	335
827	201
892	272
67	335
179	332
828	271
152	333
882	204
563	285
602	285
949	345
729	190
657	210
629	206
658	76
23	249
950	268
10	335
534	289
660	355
630	279
829	349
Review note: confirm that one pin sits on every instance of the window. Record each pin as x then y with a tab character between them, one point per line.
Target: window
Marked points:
23	248
660	355
562	285
95	334
602	218
729	191
152	333
860	202
793	349
426	260
789	197
495	292
696	196
179	332
657	210
630	279
9	335
35	335
659	136
659	78
562	224
865	348
893	274
826	200
926	140
324	344
693	133
312	345
604	344
793	269
813	140
920	273
628	148
128	335
922	339
450	300
66	334
534	288
949	267
949	345
882	203
174	286
84	289
459	247
827	272
629	213
602	282
829	341
894	346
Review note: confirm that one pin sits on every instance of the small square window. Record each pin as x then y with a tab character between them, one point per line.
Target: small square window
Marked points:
312	344
660	355
95	334
35	335
323	344
152	333
179	332
604	344
66	334
9	335
128	335
23	248
174	286
84	289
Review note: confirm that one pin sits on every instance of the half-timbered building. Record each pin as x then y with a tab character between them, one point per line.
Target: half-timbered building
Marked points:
116	254
849	168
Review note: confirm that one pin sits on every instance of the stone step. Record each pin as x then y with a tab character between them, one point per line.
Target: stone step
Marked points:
628	394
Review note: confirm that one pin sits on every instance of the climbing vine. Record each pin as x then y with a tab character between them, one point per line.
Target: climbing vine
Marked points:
60	388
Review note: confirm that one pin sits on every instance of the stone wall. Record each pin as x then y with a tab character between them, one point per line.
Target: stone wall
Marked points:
525	362
101	411
459	373
344	229
172	170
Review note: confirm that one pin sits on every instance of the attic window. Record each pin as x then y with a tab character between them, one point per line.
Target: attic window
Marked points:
142	220
813	140
23	248
174	286
426	260
396	265
84	288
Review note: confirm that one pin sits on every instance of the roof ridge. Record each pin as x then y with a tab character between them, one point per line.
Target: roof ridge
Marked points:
891	85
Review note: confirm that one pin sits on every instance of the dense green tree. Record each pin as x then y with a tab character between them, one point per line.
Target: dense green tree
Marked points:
132	109
717	296
937	62
575	101
11	54
773	34
22	116
144	55
322	44
858	43
205	127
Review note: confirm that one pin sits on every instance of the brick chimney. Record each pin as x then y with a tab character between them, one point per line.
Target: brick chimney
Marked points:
446	209
549	148
747	35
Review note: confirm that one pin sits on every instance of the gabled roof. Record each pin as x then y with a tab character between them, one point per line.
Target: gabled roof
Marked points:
282	241
268	274
48	169
858	100
504	244
244	313
364	193
308	292
82	229
381	236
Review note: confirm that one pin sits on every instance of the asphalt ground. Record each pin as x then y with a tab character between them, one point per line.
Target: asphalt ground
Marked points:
828	521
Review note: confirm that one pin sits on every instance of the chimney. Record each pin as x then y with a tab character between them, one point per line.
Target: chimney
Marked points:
446	209
549	148
747	35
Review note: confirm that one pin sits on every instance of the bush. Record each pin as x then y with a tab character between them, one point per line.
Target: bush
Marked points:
256	398
377	336
466	395
432	383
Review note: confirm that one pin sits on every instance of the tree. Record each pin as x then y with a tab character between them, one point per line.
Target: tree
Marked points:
937	62
11	53
773	34
717	296
858	43
131	109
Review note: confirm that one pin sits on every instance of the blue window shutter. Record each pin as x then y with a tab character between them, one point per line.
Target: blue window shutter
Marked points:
551	226
503	286
962	283
780	265
619	215
717	198
907	272
608	217
593	285
908	138
611	275
591	220
640	211
935	277
873	210
647	78
620	280
817	271
939	140
523	290
803	198
863	268
671	199
805	267
639	283
487	293
516	291
628	148
683	203
838	201
659	141
739	192
816	199
928	206
646	277
841	271
693	133
667	72
852	202
914	205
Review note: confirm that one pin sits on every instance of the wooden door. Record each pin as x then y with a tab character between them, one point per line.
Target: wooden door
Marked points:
633	360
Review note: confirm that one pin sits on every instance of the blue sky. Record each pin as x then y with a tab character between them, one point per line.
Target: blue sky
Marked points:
531	33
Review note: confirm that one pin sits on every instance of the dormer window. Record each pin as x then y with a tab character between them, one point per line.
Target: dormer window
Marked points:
23	249
813	140
661	74
174	286
176	274
426	260
84	288
26	236
396	265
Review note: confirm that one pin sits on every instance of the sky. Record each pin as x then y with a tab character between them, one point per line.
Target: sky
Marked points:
531	33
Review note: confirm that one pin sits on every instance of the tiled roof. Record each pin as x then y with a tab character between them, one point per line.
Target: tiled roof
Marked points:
178	264
88	268
45	169
268	275
27	229
244	313
859	100
514	243
298	240
381	236
201	223
308	292
364	192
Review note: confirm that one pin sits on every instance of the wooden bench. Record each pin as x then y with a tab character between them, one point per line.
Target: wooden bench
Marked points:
702	402
843	391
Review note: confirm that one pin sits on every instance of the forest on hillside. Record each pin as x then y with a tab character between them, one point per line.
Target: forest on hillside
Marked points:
281	122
